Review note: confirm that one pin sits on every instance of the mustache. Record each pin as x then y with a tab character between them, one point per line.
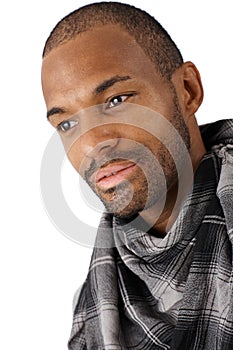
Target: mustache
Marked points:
134	155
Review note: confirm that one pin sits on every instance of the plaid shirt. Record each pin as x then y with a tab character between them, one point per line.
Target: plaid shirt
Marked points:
171	293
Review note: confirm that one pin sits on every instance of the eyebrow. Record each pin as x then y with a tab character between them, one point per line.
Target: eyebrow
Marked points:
55	110
110	82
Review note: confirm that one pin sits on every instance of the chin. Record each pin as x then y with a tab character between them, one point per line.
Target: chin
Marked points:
118	209
126	214
124	204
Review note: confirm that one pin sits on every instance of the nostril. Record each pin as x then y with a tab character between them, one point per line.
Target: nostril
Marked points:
101	149
107	144
104	148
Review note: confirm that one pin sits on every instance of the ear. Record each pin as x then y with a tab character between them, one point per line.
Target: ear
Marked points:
190	87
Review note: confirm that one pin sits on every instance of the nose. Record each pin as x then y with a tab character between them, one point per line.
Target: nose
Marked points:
99	143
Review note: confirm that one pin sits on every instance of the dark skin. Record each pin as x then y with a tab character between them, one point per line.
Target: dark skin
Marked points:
106	65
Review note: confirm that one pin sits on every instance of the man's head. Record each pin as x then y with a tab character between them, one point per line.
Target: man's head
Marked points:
143	28
109	71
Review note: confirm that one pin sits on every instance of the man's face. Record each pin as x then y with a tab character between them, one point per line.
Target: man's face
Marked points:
104	80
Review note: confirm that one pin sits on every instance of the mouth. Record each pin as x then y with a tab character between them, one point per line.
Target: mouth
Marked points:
112	174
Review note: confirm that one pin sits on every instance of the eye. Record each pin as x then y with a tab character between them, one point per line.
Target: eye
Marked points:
116	100
66	125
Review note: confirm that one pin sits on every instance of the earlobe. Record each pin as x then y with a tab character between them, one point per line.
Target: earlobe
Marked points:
192	88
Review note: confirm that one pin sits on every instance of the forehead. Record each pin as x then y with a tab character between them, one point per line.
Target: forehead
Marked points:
94	55
106	41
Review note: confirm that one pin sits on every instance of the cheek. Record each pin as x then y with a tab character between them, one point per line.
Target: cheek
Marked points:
77	153
74	157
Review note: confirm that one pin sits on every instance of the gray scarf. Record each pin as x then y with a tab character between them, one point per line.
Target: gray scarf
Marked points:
173	293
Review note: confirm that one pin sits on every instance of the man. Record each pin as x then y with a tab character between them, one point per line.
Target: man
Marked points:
124	102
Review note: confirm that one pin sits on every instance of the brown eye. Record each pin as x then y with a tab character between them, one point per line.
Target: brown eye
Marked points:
67	125
116	100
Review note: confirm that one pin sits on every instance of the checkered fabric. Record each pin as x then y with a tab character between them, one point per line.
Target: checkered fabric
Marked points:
170	293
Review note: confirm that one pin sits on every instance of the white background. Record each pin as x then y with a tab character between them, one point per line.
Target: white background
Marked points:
40	268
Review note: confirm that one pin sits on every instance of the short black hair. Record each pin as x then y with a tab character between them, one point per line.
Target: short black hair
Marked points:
148	32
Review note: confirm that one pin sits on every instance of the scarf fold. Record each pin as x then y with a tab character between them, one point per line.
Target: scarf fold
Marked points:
144	292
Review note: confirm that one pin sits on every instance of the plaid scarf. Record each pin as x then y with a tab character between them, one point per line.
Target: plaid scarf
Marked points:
171	293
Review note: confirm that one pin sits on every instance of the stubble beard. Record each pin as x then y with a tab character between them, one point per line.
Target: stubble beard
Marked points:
135	194
143	189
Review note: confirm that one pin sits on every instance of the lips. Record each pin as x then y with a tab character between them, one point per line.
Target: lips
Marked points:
112	174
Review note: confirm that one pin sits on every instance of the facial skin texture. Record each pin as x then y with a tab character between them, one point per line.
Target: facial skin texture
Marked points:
96	68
